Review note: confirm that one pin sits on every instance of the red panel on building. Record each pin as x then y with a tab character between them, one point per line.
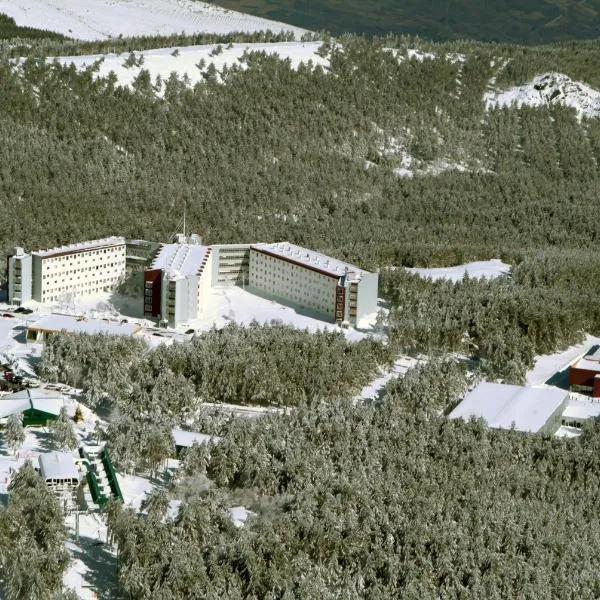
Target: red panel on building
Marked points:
152	292
583	377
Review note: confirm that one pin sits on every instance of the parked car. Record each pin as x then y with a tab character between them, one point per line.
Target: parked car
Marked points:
23	310
8	316
190	331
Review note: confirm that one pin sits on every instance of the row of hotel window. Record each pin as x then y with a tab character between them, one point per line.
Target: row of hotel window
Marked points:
84	254
80	270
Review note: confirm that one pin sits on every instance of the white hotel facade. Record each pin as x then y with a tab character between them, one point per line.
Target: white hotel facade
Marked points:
179	278
82	269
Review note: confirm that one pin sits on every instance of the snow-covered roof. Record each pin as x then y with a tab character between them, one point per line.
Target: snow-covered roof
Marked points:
72	324
503	406
82	246
12	406
188	438
581	409
587	363
41	399
58	465
181	259
310	258
239	515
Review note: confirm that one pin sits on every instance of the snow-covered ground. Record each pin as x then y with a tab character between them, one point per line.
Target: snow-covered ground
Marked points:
240	306
488	269
399	368
548	89
104	19
191	61
550	364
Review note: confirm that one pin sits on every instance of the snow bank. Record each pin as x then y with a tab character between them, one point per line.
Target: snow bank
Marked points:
104	19
186	60
546	90
488	269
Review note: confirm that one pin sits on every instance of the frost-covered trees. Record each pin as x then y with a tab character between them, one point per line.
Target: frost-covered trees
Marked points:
32	538
14	434
62	429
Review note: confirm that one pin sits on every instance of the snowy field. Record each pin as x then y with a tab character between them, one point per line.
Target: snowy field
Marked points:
546	90
398	369
240	306
488	269
104	19
192	61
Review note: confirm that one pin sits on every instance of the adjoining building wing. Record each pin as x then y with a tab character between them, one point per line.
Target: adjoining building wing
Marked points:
531	409
341	292
81	269
176	283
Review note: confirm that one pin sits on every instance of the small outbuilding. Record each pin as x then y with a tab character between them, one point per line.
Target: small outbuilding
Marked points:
529	409
186	439
39	330
59	471
38	406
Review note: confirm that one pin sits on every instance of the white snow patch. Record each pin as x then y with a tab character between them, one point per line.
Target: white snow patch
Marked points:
546	90
105	19
399	368
488	269
185	61
239	515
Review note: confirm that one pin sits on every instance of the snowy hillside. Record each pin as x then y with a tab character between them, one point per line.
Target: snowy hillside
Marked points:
102	19
547	89
187	60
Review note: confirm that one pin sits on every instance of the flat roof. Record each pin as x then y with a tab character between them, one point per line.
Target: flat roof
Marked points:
581	409
503	405
82	246
181	259
58	465
188	438
310	258
71	324
587	364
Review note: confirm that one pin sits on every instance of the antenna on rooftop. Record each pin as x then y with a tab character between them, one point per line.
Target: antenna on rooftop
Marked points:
184	207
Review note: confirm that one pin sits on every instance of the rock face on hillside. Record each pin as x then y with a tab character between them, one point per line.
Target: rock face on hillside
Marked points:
547	89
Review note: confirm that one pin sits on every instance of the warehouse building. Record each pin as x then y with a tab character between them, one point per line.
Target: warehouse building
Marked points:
339	292
176	284
529	409
81	269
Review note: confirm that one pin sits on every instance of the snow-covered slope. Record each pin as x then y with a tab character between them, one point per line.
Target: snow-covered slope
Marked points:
102	19
488	269
187	60
547	89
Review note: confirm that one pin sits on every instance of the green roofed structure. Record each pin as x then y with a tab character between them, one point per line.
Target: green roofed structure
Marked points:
38	406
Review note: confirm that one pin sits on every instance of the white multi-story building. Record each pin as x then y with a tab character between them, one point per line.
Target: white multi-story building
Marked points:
81	269
177	283
339	292
19	277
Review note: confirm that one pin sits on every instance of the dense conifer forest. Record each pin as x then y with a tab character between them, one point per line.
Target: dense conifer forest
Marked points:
385	499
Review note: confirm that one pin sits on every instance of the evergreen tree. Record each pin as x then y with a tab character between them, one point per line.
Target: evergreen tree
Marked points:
14	434
32	538
64	435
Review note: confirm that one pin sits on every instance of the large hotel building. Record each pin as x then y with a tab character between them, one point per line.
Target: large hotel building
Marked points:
178	276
